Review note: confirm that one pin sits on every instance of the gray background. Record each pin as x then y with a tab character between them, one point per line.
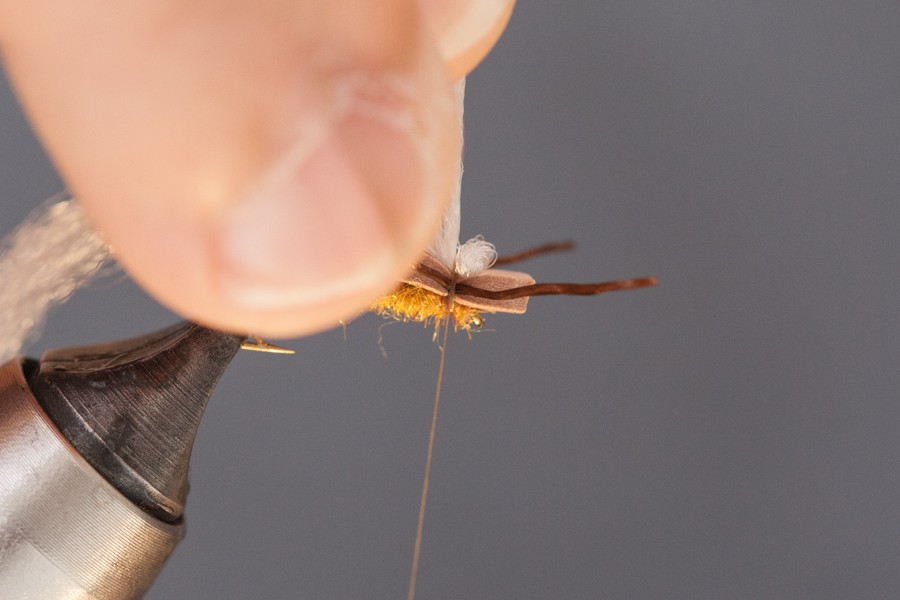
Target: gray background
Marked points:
731	434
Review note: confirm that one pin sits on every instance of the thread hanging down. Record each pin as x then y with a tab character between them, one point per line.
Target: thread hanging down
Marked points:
417	550
43	261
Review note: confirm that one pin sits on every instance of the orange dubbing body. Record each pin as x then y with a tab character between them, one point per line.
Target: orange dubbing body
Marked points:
416	304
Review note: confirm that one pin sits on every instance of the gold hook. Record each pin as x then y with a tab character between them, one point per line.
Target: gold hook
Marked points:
259	345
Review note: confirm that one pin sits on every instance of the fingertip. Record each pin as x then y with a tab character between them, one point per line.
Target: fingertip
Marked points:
466	30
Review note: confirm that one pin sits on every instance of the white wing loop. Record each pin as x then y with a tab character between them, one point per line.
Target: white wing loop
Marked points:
475	257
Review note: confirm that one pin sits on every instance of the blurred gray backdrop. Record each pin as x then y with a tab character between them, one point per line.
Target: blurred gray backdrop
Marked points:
731	434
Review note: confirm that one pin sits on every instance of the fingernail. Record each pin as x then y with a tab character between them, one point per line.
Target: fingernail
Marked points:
332	216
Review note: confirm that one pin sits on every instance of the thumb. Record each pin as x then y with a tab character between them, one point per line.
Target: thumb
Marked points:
265	167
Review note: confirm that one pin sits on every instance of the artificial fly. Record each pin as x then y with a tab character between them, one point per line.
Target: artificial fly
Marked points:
457	283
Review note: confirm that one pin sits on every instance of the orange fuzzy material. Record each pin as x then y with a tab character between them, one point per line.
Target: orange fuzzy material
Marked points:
412	303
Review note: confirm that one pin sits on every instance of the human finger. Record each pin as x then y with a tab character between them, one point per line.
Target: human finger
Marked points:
466	30
267	167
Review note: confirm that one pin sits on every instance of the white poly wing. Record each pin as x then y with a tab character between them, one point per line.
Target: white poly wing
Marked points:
446	242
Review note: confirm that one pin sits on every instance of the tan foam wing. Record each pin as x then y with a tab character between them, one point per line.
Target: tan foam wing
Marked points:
423	280
494	280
